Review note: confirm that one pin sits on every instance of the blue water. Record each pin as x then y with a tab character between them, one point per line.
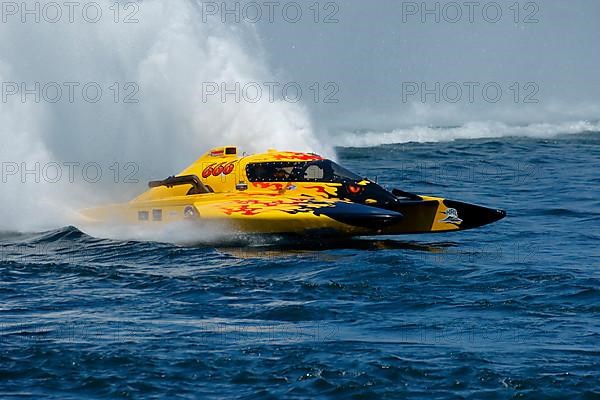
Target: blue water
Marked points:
508	310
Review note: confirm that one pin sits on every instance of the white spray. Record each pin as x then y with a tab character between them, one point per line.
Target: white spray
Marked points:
151	119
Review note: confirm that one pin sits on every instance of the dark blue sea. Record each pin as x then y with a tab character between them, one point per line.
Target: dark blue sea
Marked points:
510	310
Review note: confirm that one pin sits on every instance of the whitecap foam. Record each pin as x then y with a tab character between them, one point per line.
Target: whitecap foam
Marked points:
472	130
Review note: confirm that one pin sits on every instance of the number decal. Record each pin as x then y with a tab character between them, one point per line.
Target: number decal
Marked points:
228	168
207	171
218	169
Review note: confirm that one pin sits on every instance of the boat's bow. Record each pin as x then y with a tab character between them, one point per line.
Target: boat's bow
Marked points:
424	214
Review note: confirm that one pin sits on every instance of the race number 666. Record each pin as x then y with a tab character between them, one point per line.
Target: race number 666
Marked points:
225	168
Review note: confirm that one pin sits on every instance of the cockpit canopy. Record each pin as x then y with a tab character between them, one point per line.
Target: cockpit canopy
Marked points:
304	171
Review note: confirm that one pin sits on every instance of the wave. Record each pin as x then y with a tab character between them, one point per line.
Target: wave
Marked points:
472	130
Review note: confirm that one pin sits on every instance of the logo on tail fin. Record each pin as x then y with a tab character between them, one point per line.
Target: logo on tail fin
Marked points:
451	217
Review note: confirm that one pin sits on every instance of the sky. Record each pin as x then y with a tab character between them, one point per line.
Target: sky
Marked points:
377	47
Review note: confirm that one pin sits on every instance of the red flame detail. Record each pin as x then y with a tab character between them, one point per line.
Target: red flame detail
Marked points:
297	156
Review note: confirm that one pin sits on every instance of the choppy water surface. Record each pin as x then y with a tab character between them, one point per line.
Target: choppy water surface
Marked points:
508	310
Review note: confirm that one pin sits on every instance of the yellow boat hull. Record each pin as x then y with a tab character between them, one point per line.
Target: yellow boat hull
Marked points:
220	188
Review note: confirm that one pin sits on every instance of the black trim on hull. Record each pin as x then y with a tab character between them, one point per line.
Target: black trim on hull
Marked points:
408	195
420	216
360	215
474	216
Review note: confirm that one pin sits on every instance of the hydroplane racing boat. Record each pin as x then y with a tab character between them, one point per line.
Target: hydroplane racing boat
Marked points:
281	192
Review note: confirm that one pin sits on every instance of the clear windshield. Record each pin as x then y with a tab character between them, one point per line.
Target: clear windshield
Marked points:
312	171
342	173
